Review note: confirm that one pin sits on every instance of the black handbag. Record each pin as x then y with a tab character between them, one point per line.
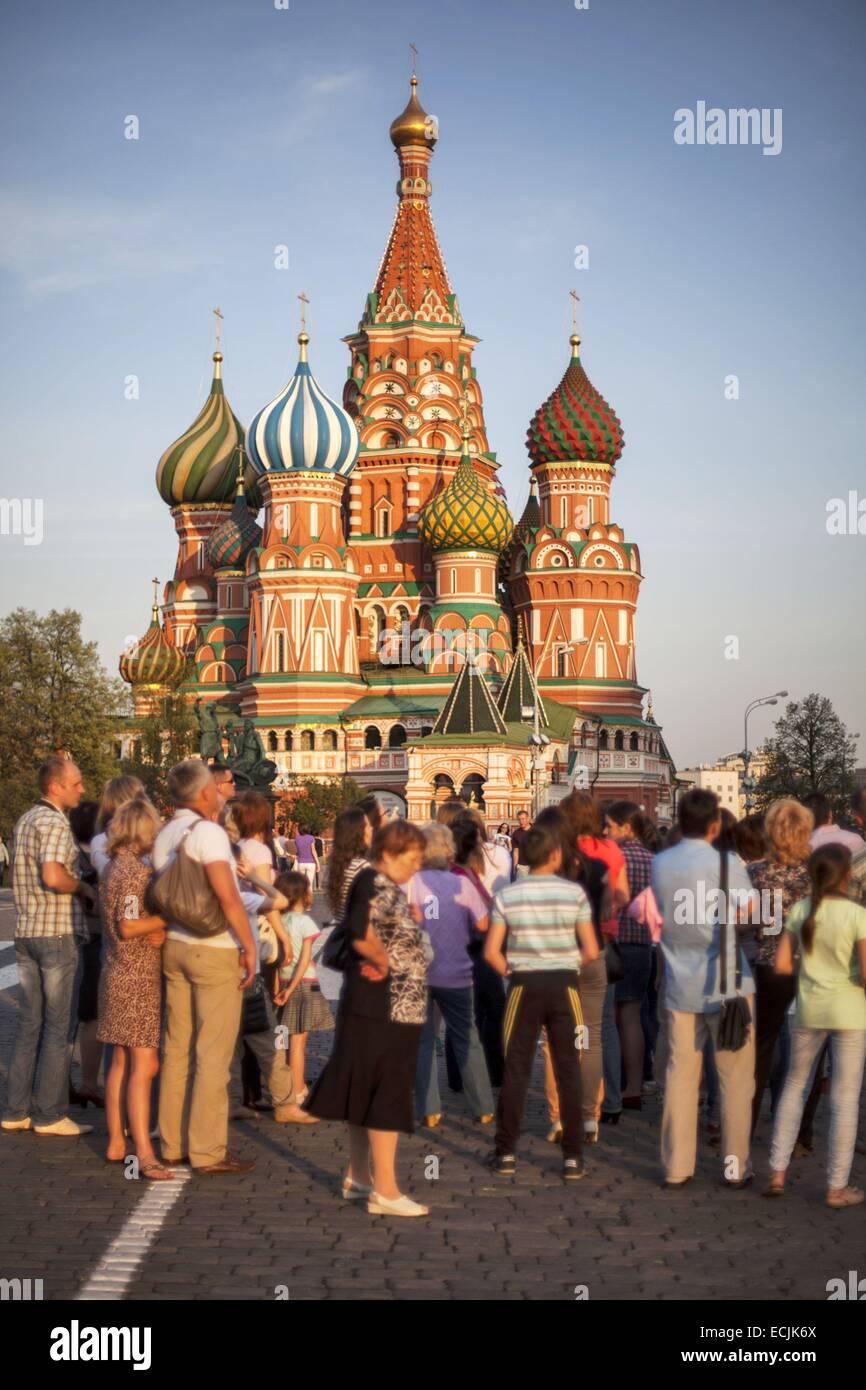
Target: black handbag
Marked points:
335	954
254	1010
735	1020
613	961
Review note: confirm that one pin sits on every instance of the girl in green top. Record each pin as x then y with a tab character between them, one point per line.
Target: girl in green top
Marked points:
830	931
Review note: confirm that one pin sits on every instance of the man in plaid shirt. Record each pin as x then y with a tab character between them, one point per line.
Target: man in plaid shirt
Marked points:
622	820
49	931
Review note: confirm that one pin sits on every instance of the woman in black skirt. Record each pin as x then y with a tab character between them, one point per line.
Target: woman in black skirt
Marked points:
369	1077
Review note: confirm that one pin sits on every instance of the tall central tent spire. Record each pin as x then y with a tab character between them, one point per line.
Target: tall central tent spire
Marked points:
412	282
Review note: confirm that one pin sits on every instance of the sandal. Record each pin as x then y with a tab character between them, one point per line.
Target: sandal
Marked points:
355	1191
845	1197
156	1172
774	1189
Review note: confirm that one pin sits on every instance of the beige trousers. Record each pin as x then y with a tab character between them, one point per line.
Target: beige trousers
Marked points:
686	1035
203	1014
591	987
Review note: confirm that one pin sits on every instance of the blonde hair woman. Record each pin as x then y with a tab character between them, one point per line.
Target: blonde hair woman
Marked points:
781	878
130	987
116	792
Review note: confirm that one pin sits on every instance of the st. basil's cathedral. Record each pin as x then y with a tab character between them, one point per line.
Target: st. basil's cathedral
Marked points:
386	620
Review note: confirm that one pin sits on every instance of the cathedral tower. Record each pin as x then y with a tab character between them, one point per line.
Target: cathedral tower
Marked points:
302	654
410	372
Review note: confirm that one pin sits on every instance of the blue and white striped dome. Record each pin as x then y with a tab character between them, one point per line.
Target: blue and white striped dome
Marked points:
302	428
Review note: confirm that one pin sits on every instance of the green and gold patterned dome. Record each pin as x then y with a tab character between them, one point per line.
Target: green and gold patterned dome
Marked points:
154	659
466	515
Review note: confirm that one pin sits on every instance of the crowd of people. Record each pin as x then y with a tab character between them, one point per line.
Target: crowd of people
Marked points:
702	965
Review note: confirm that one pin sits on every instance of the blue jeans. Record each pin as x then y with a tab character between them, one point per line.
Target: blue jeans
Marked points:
611	1055
456	1007
848	1051
47	970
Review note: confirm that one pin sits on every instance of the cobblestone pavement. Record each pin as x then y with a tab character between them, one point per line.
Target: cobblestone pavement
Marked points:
283	1227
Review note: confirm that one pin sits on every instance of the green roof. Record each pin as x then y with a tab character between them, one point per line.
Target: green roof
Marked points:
387	705
470	708
520	689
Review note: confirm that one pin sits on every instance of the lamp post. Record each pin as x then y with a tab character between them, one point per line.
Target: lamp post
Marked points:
764	700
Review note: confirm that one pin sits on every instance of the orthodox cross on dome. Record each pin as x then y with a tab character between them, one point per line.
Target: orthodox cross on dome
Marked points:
414	58
155	583
304	302
219	316
575	300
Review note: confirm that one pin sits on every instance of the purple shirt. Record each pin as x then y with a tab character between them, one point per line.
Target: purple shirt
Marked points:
304	846
450	906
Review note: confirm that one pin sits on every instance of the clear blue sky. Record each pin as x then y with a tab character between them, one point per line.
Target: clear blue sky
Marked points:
261	126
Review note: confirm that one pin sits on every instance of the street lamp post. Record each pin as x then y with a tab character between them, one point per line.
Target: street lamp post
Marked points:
764	700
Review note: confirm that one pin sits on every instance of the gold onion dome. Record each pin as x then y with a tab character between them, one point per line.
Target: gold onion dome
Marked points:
200	465
466	515
413	126
154	660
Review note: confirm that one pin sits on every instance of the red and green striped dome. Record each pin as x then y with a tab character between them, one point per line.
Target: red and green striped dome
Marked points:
575	423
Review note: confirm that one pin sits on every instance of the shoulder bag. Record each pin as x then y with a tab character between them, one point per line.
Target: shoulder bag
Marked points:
181	893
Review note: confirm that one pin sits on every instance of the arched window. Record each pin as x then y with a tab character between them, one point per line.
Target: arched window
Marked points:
290	740
308	741
633	743
329	741
372	737
397	736
562	661
272	742
619	741
437	440
602	739
426	729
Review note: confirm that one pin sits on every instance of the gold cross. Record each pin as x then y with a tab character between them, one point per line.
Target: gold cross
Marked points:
155	583
414	58
218	315
304	302
575	301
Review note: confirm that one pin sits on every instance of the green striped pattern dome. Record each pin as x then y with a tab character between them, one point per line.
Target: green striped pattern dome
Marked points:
201	466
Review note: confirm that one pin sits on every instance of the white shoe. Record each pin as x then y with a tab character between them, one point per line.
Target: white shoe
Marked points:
64	1129
18	1124
402	1206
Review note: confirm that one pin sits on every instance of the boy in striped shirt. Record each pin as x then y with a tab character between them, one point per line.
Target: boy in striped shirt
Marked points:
540	928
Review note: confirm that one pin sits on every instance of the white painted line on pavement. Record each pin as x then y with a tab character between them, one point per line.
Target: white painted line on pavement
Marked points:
116	1270
8	976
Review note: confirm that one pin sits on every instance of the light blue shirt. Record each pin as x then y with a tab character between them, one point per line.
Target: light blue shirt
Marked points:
685	880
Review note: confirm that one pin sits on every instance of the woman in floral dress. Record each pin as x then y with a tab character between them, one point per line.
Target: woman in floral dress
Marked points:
368	1080
130	986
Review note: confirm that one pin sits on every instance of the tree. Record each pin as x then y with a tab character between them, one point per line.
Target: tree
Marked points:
57	698
316	803
810	751
159	740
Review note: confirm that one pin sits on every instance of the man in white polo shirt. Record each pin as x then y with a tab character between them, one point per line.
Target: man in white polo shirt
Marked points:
204	983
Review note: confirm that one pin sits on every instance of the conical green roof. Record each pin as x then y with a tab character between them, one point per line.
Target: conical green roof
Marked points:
520	690
470	708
